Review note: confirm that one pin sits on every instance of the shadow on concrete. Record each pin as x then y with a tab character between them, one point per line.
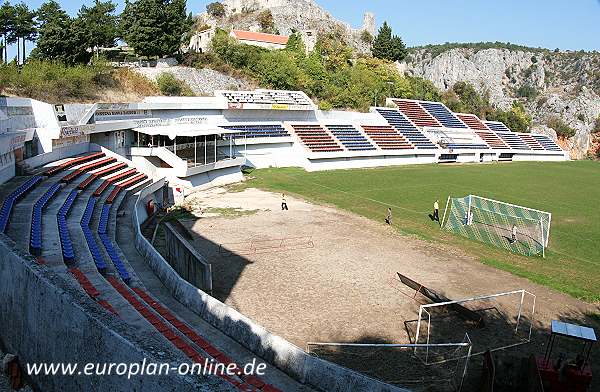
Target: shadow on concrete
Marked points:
401	367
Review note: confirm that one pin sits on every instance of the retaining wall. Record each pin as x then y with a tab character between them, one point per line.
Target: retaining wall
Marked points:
45	319
186	261
314	372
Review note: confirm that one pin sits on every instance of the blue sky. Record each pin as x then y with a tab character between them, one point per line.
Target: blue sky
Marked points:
571	25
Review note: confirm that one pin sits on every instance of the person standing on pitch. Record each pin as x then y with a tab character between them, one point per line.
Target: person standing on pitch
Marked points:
284	206
513	237
388	219
436	211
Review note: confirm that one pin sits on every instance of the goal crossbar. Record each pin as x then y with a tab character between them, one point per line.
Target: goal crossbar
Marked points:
516	228
425	309
512	205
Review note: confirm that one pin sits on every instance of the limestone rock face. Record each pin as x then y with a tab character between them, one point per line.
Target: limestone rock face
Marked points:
289	16
201	81
549	84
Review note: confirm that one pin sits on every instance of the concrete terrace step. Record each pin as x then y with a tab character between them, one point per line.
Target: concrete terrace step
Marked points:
154	287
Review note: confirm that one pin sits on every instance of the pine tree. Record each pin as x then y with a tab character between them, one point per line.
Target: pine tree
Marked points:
54	32
398	49
176	25
386	46
155	27
383	42
7	20
24	29
100	24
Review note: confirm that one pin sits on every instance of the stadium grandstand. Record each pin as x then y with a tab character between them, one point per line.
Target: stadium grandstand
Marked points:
81	181
194	142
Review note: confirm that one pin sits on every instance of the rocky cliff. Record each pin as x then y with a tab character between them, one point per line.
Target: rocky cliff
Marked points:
304	16
563	84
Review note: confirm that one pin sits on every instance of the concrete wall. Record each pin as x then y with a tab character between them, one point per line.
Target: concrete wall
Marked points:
45	319
364	162
219	177
8	171
272	155
60	153
314	372
186	261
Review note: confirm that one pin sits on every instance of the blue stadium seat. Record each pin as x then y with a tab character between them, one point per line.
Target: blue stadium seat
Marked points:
65	238
35	239
14	197
547	143
443	115
350	137
89	236
406	129
114	256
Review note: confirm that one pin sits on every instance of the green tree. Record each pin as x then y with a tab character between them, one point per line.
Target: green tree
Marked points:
7	21
295	44
388	47
314	77
24	29
216	10
336	54
383	42
266	22
279	71
240	56
515	119
366	37
563	130
99	24
463	97
54	32
155	27
398	49
177	25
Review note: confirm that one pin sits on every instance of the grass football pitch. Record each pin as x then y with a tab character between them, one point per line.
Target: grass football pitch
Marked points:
569	190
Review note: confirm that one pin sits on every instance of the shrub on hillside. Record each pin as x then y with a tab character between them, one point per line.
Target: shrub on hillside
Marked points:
8	74
516	118
47	81
527	91
463	97
266	22
562	129
216	9
366	37
169	85
57	82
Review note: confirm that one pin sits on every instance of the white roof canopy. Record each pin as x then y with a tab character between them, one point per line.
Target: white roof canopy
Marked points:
189	130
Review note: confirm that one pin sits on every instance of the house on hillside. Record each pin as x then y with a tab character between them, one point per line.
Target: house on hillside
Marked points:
200	40
264	40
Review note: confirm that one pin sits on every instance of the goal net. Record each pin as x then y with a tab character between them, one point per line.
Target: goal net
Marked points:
518	229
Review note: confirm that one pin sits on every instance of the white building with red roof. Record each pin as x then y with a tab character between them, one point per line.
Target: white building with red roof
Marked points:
264	40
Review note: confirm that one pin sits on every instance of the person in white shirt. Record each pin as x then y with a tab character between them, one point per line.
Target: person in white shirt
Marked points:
436	211
284	206
388	219
513	237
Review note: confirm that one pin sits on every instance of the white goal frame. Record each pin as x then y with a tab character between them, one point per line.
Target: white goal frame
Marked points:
545	238
522	292
466	344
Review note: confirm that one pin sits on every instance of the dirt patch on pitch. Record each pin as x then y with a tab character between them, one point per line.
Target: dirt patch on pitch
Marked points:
318	274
